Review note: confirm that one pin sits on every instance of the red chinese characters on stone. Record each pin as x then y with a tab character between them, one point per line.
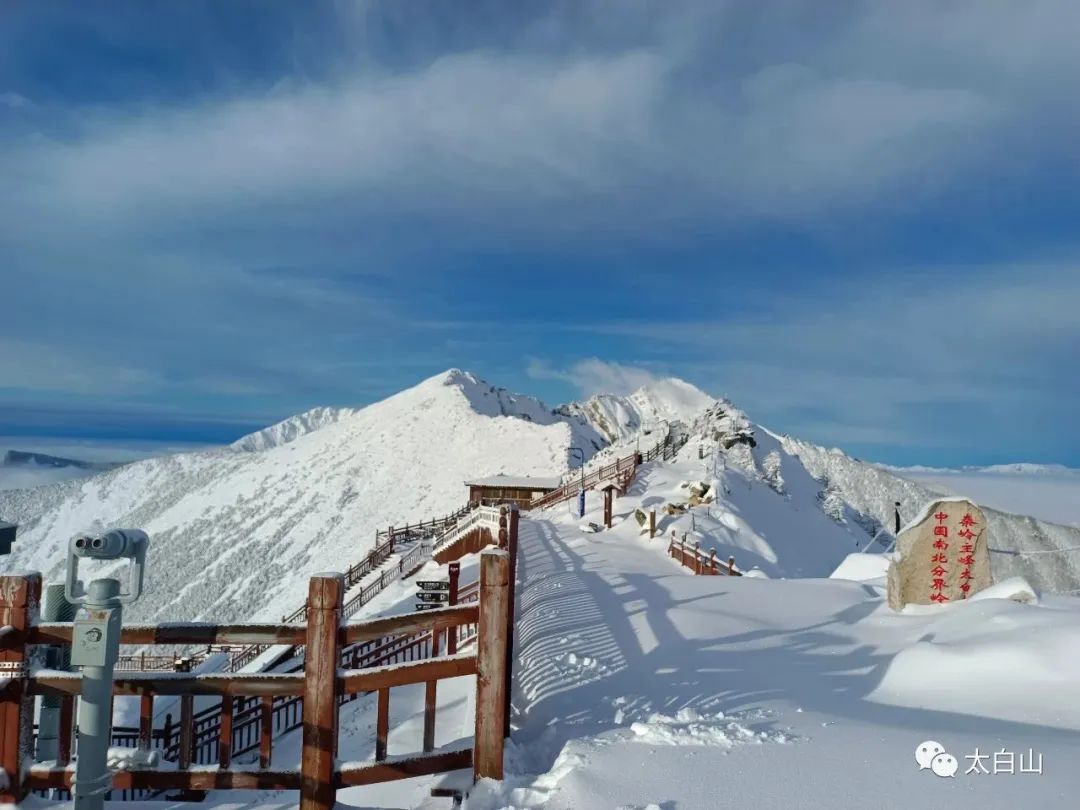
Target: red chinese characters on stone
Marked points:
967	521
938	597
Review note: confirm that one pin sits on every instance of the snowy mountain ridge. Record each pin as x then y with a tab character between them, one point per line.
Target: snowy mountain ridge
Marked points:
237	532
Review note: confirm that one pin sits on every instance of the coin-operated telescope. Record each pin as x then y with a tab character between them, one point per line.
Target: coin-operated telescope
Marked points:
95	646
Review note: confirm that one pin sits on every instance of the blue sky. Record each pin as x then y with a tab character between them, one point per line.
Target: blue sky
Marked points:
857	220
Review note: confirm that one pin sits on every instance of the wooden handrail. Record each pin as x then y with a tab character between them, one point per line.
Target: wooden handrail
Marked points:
255	705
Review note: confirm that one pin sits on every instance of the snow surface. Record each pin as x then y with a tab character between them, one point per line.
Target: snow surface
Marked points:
638	685
1021	546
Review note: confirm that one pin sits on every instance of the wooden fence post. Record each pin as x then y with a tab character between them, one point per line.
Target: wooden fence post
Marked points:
731	566
322	653
491	665
652	524
146	720
431	696
511	588
382	723
20	597
187	731
452	633
697	556
225	733
266	732
712	563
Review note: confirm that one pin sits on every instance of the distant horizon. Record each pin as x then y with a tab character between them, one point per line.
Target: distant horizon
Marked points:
129	436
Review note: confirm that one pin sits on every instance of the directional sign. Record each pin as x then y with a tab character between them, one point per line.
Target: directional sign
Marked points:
422	606
433	585
427	596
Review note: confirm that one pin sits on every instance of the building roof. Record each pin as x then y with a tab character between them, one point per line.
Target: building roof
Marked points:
514	482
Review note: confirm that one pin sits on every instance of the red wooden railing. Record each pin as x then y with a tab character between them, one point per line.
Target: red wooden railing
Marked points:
620	471
698	561
332	674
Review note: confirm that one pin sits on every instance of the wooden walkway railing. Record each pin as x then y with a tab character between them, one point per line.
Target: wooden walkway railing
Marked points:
620	471
698	561
332	673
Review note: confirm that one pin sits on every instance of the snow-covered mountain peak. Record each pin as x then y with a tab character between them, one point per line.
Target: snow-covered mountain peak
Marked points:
618	418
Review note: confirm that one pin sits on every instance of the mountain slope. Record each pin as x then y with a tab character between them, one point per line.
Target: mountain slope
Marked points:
235	534
619	419
1026	546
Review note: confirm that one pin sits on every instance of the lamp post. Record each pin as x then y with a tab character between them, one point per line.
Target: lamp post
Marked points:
581	486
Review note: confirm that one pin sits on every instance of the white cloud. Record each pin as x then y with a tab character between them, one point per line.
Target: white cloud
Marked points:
595	376
13	100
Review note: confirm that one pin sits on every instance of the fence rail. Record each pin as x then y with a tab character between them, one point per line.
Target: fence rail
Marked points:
699	561
341	661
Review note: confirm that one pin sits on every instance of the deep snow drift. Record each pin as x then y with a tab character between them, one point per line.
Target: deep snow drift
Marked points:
640	686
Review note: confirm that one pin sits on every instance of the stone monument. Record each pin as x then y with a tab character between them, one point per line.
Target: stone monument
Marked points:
941	557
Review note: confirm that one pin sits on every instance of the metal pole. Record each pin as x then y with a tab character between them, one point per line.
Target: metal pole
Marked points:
96	645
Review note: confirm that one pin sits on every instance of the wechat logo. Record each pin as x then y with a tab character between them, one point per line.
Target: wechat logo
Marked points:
932	755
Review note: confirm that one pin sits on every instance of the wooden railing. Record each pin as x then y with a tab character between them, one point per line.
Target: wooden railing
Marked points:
698	561
620	471
333	671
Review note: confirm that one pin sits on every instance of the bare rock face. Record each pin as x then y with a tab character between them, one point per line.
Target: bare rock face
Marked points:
942	557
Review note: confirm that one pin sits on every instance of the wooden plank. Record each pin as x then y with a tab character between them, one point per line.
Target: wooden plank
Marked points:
266	732
404	767
320	725
491	665
52	682
430	696
146	719
382	723
408	623
187	731
67	723
181	633
455	587
512	548
225	733
20	598
43	777
375	678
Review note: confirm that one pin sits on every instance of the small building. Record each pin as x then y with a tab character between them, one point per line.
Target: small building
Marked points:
501	489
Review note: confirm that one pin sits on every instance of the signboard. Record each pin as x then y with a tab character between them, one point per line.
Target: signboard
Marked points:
942	557
422	606
433	585
427	596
